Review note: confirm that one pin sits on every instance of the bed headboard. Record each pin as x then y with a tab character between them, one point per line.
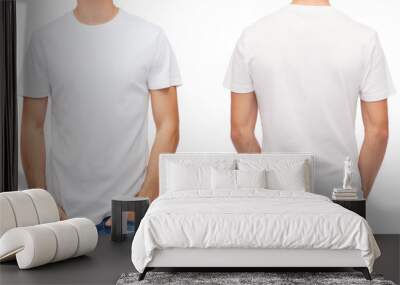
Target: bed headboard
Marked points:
209	158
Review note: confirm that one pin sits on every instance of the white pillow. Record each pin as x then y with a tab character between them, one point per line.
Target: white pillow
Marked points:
251	179
188	177
223	179
282	174
292	179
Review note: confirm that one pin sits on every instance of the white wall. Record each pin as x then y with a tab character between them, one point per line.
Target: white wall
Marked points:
203	34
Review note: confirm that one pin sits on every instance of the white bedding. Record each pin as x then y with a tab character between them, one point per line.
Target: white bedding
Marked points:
251	218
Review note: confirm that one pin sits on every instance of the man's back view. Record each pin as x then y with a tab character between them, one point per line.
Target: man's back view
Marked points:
305	68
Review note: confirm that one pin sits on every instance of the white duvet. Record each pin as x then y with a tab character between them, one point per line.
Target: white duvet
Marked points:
250	219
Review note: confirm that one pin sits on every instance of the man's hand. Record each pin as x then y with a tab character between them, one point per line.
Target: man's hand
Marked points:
376	129
63	214
148	192
145	193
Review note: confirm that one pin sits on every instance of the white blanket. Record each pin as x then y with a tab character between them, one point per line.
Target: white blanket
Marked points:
250	219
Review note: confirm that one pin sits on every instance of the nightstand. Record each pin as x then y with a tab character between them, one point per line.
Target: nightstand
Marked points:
356	206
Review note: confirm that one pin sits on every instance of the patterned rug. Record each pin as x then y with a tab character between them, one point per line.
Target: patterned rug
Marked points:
236	278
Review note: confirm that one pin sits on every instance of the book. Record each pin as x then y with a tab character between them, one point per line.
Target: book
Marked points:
345	197
341	190
345	193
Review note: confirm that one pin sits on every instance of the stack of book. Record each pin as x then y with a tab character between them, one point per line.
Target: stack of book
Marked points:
344	194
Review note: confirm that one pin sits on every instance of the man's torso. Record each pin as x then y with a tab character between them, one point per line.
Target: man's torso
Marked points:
99	106
307	66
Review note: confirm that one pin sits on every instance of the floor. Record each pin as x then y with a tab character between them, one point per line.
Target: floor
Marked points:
389	262
103	266
110	260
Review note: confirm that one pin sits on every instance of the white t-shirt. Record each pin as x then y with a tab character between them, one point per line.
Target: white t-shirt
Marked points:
308	65
98	78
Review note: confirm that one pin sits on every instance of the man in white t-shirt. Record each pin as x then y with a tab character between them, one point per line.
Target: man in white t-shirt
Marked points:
304	68
98	65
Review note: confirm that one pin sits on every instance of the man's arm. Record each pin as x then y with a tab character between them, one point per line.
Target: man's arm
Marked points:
376	129
166	117
33	148
244	110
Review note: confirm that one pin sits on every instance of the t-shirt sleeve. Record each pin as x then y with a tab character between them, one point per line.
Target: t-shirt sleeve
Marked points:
164	70
377	82
238	78
35	81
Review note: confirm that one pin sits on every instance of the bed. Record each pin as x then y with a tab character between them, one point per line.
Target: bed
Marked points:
245	211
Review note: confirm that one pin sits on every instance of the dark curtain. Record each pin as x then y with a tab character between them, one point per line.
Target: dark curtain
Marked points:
8	98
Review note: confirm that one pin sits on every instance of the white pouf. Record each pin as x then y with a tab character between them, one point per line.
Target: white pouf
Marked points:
7	218
87	233
66	237
33	246
23	208
26	208
41	244
45	205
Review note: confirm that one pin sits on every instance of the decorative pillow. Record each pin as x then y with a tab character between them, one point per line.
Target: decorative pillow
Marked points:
184	177
292	179
282	174
251	179
223	179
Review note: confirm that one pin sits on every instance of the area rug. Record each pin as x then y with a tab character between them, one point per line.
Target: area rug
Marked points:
236	278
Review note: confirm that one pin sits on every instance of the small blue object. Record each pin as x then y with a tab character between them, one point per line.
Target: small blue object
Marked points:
104	230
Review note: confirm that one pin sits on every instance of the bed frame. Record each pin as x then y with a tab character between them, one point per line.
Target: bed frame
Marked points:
234	259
